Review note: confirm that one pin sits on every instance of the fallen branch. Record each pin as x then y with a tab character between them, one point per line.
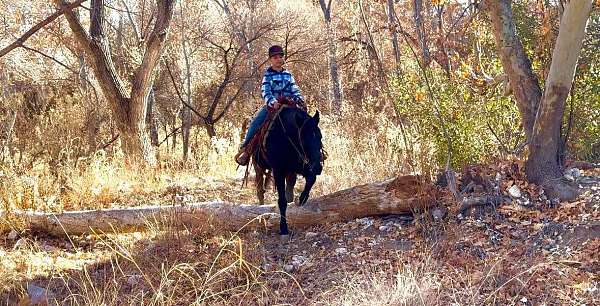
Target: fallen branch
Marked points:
468	203
583	165
401	195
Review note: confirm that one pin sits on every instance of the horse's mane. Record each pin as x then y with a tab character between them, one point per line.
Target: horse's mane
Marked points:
289	115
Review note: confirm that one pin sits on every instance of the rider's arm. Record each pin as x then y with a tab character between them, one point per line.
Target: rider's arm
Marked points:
296	95
266	90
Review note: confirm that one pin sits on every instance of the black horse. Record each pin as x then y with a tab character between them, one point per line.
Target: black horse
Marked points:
293	146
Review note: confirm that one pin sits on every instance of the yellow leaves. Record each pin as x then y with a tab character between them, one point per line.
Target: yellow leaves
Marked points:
419	95
439	2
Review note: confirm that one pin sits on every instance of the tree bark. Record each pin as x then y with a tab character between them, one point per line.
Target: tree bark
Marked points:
403	194
186	114
515	62
542	166
7	131
394	34
335	84
129	111
151	118
420	29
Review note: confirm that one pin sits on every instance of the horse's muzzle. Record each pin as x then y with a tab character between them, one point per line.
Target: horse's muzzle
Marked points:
315	169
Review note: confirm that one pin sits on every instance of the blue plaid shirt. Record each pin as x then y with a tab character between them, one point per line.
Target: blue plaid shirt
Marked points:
279	83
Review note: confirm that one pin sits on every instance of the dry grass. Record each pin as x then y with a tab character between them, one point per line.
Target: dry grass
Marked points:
164	266
369	151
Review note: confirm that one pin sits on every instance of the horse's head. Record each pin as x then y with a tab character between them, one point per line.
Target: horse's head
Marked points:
310	136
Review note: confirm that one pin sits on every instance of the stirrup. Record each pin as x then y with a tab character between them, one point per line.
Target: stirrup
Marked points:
242	158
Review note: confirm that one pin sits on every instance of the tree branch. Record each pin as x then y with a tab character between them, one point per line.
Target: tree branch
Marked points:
19	42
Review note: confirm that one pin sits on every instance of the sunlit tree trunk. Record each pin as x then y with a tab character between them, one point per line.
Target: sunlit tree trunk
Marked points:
516	64
129	111
7	131
335	84
394	34
542	115
418	18
186	114
151	120
543	166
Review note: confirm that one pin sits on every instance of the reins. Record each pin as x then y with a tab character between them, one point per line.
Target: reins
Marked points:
302	154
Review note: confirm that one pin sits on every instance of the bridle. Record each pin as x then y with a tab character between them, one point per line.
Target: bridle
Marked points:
303	156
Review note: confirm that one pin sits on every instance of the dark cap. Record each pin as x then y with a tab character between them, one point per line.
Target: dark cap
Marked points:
275	50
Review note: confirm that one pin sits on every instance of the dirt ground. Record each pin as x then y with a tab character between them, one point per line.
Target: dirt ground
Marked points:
531	251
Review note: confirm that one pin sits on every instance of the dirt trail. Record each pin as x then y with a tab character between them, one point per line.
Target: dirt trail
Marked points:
528	254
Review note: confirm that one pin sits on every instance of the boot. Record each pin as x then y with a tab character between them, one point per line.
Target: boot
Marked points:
242	157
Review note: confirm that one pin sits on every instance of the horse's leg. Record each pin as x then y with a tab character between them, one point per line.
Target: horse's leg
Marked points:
260	182
280	183
290	182
310	181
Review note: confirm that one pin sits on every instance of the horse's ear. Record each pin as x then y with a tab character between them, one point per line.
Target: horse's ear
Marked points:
316	117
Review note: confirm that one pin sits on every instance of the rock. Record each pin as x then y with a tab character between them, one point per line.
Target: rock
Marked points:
365	222
574	172
384	228
21	243
438	214
13	235
514	191
299	259
267	267
134	280
341	251
310	235
288	268
49	248
38	295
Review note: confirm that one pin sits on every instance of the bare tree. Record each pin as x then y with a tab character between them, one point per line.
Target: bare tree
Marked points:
130	110
335	83
420	29
542	114
543	165
515	62
393	33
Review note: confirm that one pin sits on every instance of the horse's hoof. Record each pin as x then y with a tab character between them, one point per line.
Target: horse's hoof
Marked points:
285	238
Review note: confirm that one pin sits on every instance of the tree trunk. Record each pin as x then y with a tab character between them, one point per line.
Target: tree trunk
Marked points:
151	119
335	84
418	18
186	114
7	131
128	111
401	195
394	34
210	129
543	166
515	62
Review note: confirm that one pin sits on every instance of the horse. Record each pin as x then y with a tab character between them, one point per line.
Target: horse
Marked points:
292	146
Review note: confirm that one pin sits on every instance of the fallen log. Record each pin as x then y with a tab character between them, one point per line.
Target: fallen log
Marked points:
400	195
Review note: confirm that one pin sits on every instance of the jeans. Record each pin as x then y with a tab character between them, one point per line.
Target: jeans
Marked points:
256	123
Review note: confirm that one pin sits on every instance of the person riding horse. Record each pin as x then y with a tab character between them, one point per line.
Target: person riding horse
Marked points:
278	83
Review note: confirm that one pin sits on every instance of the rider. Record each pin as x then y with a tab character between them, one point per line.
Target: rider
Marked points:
277	83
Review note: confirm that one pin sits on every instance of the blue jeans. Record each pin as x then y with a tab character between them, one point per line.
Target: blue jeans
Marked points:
256	123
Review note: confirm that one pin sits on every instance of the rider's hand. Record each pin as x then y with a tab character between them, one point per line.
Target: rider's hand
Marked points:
276	105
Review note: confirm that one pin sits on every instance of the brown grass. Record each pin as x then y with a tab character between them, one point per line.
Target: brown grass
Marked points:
164	266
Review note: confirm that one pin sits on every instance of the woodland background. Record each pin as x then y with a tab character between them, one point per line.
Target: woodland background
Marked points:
404	86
